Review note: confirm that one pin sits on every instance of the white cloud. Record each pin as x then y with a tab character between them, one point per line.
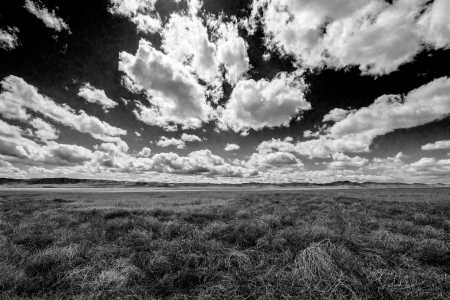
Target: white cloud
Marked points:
8	170
17	148
175	95
170	142
113	147
140	12
194	6
425	104
197	162
8	38
203	49
439	145
178	143
276	145
18	98
356	132
186	40
232	52
318	148
435	24
430	167
324	146
145	152
9	130
336	115
372	34
11	149
278	160
94	95
48	17
130	8
232	147
258	104
63	154
190	138
44	131
13	144
342	161
147	23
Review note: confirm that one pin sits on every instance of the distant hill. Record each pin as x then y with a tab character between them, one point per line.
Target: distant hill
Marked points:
111	183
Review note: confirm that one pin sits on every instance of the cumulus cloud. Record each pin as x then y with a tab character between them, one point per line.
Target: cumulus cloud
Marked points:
16	147
190	138
336	115
204	47
186	40
178	143
9	170
44	131
356	132
140	12
9	130
174	94
232	147
275	154
342	161
130	7
232	52
374	35
8	38
318	148
258	104
276	145
425	104
430	167
439	145
145	152
147	23
12	142
435	24
48	17
165	142
63	154
19	98
197	162
273	160
94	95
113	147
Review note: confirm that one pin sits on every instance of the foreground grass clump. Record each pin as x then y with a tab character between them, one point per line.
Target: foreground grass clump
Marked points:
255	246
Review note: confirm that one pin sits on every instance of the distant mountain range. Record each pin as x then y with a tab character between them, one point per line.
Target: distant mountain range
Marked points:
113	183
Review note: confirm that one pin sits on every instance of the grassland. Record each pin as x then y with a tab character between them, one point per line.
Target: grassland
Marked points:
359	244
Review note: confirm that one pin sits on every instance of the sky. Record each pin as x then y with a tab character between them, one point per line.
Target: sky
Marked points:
216	91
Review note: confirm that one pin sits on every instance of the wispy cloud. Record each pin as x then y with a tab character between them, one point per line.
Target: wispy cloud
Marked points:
48	17
8	38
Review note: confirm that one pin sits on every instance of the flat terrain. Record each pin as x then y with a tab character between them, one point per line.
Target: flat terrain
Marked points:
232	244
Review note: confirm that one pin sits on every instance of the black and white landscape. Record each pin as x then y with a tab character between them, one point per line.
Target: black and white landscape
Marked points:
225	149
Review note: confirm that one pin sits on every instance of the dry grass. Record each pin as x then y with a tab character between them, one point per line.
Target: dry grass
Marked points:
304	245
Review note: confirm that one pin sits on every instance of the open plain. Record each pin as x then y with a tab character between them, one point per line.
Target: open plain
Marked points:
233	244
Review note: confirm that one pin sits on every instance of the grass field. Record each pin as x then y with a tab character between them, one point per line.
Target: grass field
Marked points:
323	244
